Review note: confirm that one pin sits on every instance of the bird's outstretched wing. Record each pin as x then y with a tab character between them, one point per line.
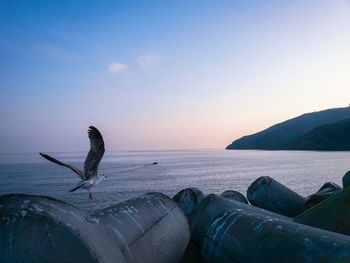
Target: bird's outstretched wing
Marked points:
97	149
76	170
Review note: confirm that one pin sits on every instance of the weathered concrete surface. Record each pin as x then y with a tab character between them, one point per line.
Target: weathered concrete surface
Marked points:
327	190
150	228
211	207
346	179
41	229
234	195
188	200
230	231
245	237
271	195
332	214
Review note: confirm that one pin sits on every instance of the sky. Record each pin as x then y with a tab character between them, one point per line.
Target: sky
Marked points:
165	74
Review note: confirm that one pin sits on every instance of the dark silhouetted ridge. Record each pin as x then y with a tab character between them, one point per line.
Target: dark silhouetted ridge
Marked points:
329	137
289	134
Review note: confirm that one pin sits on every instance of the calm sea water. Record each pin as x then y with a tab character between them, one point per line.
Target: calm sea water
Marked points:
131	174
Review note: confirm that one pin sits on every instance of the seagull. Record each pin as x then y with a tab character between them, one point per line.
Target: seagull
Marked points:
89	177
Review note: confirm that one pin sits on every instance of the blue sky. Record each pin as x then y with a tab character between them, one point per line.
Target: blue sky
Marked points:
165	74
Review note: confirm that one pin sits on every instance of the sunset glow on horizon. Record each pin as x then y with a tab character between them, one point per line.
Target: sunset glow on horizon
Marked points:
165	74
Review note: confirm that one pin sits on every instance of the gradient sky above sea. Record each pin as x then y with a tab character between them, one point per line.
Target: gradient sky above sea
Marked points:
165	74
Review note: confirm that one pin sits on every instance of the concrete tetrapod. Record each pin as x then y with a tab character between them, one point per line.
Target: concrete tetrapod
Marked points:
271	195
211	207
37	228
188	199
346	179
241	233
327	190
332	214
234	195
42	229
150	228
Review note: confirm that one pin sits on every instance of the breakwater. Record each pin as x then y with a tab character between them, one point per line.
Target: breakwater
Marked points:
271	224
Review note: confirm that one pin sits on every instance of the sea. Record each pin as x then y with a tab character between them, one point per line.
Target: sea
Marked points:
133	173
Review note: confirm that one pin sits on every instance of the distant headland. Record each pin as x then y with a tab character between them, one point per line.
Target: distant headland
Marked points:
327	130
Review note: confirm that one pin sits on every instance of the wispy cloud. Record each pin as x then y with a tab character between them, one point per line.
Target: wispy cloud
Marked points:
147	60
116	68
53	51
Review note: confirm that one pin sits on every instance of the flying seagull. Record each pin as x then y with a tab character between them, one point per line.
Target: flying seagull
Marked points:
89	177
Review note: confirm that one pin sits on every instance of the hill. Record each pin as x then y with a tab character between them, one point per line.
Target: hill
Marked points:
330	137
283	135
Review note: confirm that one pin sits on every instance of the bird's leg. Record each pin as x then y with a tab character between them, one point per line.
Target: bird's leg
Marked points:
90	196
